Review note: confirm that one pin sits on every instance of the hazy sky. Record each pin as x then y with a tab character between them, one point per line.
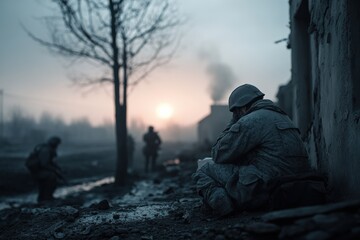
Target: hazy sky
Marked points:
235	36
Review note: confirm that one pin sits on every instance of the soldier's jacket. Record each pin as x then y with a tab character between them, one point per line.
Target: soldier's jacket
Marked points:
265	138
152	143
46	158
261	145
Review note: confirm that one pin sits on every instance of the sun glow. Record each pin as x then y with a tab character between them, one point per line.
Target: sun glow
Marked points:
164	111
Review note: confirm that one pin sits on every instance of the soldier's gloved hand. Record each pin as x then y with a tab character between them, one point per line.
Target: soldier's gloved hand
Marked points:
202	162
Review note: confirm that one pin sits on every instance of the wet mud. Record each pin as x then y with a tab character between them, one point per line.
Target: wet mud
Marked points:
164	205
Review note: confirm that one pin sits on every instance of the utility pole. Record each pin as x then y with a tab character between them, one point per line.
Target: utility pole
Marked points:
1	114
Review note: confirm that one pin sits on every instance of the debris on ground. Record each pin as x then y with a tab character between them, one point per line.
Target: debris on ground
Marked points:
166	206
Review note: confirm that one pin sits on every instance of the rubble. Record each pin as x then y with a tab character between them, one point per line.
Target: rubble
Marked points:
147	212
285	215
102	205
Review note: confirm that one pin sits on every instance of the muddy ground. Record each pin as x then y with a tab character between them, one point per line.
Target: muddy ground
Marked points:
164	205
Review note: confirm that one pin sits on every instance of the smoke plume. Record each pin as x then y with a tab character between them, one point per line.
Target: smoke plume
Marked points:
222	77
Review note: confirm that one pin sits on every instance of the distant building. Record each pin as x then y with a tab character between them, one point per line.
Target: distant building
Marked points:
325	80
210	127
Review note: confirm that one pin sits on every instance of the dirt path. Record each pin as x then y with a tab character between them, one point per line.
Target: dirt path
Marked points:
165	206
160	206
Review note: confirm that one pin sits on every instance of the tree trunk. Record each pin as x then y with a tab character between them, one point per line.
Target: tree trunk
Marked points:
120	124
122	160
119	178
123	117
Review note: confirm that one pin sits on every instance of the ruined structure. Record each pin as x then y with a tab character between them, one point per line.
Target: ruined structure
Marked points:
210	127
325	55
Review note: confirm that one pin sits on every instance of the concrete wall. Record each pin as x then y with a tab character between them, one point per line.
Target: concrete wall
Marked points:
325	46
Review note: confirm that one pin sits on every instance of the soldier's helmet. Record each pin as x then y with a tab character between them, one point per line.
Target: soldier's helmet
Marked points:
243	95
54	141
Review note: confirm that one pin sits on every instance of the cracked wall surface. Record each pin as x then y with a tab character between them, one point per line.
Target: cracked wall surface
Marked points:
325	46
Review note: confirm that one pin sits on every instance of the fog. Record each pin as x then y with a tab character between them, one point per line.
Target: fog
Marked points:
23	128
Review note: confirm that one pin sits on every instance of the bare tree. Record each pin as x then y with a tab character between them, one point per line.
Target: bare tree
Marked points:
129	37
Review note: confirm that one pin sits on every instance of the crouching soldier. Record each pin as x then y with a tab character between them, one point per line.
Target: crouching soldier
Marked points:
259	145
44	169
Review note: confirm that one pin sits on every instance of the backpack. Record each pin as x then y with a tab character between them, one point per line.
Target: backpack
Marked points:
32	162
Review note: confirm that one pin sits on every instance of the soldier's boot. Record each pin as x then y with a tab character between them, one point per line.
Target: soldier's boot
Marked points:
220	202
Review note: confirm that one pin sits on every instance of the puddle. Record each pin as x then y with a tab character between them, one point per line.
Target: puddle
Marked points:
61	192
145	192
147	200
139	204
84	187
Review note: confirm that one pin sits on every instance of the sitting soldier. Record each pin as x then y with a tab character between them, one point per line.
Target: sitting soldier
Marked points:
259	145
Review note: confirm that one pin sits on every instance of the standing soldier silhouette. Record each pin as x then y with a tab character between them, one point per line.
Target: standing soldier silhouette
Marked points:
151	148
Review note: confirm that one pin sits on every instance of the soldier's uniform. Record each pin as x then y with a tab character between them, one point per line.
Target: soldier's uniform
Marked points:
48	173
151	148
261	145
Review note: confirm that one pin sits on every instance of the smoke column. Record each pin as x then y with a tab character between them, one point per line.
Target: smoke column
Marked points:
222	77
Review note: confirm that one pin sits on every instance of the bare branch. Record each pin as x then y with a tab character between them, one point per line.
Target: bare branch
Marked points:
77	28
157	62
65	50
142	34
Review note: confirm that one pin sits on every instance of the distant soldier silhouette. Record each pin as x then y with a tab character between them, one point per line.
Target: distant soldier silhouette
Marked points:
43	167
151	148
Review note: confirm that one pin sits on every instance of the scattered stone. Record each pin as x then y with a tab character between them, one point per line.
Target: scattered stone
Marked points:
291	231
245	236
186	217
59	235
232	233
238	226
86	230
197	230
121	230
220	237
262	228
318	235
9	214
70	210
135	230
289	214
325	219
186	235
102	205
344	225
147	238
169	190
114	238
210	235
157	181
304	221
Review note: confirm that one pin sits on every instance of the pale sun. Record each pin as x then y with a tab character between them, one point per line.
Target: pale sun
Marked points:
164	111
